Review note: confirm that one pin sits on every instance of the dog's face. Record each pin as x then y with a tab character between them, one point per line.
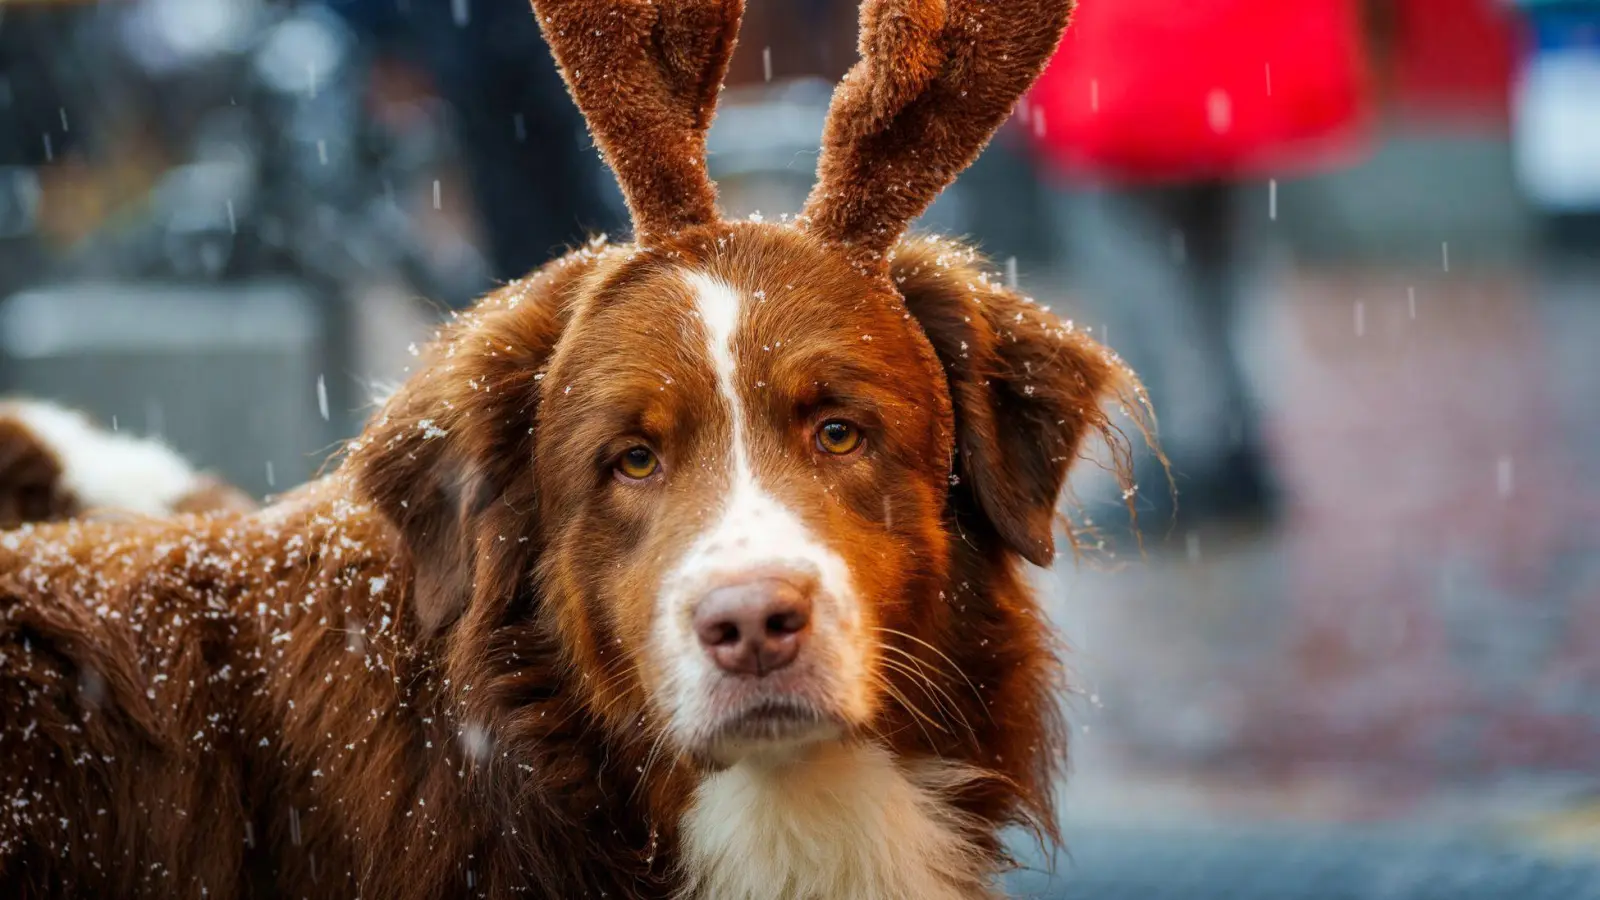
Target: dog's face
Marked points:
744	456
732	479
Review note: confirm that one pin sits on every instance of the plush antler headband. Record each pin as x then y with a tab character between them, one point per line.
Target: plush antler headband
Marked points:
935	80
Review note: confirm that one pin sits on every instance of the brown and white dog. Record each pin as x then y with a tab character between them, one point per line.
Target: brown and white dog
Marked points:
686	568
56	464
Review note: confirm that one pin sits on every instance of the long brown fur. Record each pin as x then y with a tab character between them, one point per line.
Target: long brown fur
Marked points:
420	676
266	699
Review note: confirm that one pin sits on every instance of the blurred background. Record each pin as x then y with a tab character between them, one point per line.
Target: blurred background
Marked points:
1353	248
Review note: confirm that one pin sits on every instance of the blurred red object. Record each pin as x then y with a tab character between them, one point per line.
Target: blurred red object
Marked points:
1170	90
1454	59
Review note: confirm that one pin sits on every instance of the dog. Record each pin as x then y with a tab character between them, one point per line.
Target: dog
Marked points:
56	464
689	567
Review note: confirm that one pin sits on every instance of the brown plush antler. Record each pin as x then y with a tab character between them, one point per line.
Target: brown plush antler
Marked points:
646	74
935	80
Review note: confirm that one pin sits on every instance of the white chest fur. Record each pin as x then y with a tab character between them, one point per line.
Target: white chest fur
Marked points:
843	822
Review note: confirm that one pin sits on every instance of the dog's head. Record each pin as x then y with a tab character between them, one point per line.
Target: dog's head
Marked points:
740	474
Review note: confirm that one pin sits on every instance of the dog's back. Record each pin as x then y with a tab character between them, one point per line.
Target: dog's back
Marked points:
104	684
144	665
114	751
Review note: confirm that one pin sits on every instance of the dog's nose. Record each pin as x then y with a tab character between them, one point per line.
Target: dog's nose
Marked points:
754	627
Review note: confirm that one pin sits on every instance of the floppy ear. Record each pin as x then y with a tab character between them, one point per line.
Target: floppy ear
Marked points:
1028	390
935	80
458	438
646	74
31	488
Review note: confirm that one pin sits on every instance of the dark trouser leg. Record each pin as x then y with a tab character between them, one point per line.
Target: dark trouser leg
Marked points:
1234	481
537	183
1155	272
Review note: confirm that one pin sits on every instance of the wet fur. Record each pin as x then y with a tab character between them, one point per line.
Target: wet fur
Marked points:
436	671
362	689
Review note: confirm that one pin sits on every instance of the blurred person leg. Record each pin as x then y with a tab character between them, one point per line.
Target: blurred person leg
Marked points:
1232	470
536	181
38	83
1156	270
1154	92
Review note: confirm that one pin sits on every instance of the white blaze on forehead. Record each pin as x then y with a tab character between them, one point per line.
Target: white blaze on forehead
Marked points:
719	306
753	528
842	821
750	532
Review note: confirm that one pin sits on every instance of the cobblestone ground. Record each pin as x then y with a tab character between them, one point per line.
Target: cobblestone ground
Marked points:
1416	643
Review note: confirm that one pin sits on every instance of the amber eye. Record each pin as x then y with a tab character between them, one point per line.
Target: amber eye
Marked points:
638	463
838	437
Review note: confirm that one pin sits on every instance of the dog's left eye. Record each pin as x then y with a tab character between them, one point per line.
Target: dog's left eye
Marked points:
838	437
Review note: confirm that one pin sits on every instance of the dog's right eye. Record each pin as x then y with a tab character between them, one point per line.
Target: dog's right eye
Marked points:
838	437
638	463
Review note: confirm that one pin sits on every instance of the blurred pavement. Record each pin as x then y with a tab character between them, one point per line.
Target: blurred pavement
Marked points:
1416	650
